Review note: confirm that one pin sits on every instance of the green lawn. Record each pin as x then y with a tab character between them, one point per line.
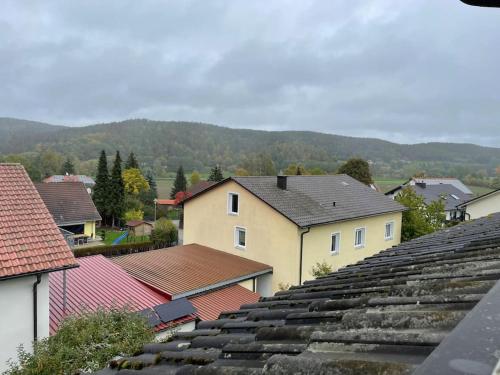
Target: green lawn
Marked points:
112	235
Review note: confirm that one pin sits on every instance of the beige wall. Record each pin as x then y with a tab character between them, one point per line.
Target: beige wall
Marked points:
270	237
273	239
483	207
89	228
317	243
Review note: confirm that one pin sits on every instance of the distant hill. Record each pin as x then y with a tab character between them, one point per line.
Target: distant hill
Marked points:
199	146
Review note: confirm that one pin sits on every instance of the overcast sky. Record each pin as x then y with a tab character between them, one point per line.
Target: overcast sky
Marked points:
407	71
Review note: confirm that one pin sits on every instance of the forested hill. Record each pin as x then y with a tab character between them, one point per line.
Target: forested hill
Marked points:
198	146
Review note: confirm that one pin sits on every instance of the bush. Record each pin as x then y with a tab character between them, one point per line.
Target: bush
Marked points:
85	343
115	250
321	269
133	215
165	233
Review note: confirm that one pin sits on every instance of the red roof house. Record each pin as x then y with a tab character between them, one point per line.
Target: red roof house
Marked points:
31	246
99	283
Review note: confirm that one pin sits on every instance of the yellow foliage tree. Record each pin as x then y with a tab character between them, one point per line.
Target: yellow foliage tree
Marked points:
134	181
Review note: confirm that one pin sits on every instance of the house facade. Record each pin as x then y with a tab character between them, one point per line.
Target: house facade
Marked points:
71	207
31	246
483	205
332	219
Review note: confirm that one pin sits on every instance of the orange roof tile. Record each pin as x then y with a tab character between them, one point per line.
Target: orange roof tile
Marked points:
210	305
189	269
30	241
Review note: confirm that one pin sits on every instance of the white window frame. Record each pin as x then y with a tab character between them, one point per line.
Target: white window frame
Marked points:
363	237
337	242
237	237
392	224
230	203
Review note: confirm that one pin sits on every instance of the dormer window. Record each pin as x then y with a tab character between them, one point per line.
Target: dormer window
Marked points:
233	204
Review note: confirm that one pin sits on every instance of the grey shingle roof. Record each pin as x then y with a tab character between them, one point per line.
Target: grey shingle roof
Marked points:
383	315
308	200
68	202
448	192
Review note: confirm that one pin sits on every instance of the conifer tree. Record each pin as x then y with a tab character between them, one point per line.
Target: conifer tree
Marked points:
131	162
180	183
116	191
68	167
216	174
101	188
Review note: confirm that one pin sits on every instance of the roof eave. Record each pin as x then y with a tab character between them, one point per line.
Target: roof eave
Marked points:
26	274
305	226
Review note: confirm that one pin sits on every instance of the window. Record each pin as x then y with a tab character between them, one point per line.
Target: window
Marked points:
335	245
389	230
240	238
359	237
233	204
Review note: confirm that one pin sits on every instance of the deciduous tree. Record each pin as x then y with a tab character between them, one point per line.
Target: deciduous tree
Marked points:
134	181
358	169
195	178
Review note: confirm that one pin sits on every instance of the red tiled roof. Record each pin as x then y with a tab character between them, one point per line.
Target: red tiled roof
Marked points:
166	202
29	238
187	269
210	305
98	282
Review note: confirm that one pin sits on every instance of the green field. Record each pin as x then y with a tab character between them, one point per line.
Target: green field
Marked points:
164	186
387	184
479	190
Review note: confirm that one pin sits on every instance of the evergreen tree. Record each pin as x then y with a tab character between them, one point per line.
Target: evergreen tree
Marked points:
68	167
101	188
116	191
131	162
180	183
358	169
216	174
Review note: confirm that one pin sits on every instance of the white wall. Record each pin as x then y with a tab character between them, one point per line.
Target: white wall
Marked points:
16	315
265	285
484	206
186	327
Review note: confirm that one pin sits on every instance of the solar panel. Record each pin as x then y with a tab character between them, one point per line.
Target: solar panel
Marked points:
151	316
174	309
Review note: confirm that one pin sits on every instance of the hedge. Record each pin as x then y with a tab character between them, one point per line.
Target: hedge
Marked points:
121	249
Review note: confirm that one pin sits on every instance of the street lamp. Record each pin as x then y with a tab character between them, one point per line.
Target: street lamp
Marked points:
156	201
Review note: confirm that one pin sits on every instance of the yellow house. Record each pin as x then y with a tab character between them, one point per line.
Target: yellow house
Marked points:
293	222
71	206
483	205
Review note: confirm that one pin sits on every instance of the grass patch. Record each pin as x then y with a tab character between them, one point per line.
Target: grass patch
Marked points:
111	235
387	184
479	190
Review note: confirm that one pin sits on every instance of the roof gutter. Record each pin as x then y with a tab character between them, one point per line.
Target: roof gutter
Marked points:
39	272
301	253
35	306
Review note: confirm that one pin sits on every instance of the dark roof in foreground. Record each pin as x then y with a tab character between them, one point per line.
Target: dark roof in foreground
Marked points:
309	200
68	202
398	312
30	241
182	271
452	196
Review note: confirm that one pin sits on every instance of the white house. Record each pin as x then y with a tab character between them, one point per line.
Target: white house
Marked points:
31	246
483	205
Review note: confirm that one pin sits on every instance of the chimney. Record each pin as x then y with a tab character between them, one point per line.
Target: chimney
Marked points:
281	182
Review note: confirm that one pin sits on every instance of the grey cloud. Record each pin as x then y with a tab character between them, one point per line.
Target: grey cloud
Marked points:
408	71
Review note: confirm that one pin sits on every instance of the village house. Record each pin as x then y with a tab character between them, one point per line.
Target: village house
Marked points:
99	283
85	180
483	205
31	246
293	222
425	307
72	209
451	191
212	280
